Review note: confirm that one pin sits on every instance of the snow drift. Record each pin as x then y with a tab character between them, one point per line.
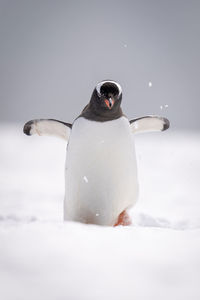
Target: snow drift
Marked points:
42	257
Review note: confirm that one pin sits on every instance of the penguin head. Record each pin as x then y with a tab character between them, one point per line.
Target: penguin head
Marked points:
105	102
107	95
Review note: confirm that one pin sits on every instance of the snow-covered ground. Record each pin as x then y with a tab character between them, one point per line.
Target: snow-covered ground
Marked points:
43	258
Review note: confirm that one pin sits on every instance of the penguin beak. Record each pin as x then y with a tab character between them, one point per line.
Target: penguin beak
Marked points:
109	102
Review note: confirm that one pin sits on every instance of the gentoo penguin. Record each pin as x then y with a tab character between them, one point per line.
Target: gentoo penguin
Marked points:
101	172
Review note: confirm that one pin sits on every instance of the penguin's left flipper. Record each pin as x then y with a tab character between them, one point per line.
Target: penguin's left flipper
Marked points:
48	127
149	123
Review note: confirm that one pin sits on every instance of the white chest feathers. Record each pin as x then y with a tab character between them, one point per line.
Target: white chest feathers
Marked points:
101	172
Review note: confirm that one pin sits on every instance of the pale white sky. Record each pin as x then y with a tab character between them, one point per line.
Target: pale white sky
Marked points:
52	54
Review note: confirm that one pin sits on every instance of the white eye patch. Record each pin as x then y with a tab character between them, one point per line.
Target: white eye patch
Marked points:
99	85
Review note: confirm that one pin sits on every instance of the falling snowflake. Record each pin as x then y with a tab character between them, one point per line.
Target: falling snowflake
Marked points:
101	142
150	84
164	106
85	179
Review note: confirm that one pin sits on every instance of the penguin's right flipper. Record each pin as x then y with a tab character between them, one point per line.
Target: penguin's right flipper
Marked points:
48	127
149	123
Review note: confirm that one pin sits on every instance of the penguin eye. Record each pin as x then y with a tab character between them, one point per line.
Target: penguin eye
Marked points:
103	95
